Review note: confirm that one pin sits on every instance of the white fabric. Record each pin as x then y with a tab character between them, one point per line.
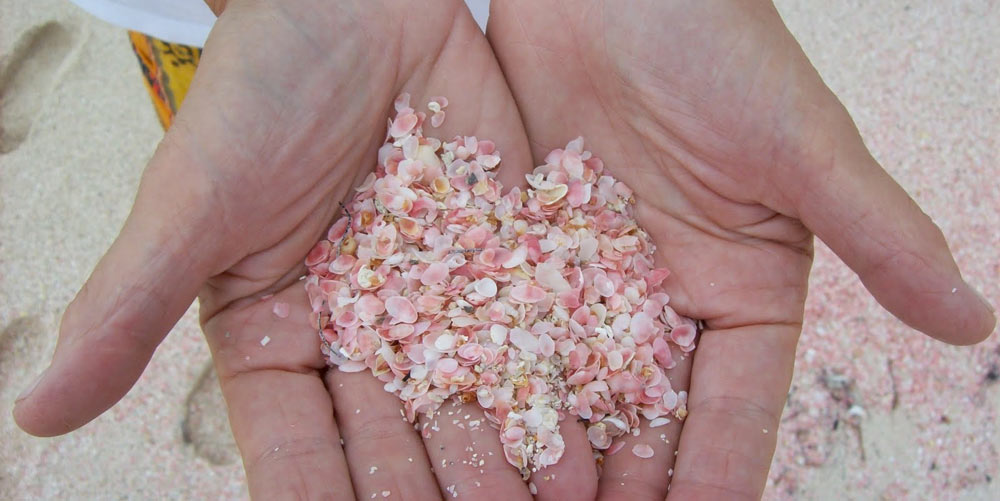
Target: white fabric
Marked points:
188	21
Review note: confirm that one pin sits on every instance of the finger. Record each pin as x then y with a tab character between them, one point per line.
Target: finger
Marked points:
467	457
385	453
879	231
628	476
575	475
144	283
739	383
283	424
279	410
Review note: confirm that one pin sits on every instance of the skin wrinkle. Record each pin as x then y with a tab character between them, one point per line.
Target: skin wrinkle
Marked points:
126	327
376	431
432	62
300	448
731	232
735	406
229	353
634	487
726	469
524	34
697	119
716	491
211	214
231	279
225	372
856	228
667	141
592	83
491	472
317	192
759	230
716	226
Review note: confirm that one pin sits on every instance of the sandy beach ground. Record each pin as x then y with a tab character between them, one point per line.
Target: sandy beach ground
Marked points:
876	411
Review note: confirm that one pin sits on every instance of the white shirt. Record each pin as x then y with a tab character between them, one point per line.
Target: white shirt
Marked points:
188	21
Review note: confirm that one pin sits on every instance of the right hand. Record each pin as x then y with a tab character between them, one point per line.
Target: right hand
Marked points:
284	117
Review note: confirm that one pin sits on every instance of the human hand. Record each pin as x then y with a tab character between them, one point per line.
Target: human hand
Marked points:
284	117
737	153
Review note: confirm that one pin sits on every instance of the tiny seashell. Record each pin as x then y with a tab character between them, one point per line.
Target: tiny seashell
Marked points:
498	334
552	195
403	125
517	257
643	451
434	274
437	119
486	287
401	309
440	101
658	422
549	274
402	101
683	334
605	287
524	340
445	342
527	293
615	448
617	423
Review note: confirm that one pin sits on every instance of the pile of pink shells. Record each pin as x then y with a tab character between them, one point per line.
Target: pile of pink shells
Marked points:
538	304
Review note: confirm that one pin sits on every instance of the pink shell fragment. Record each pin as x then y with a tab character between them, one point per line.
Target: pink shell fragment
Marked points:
402	125
643	451
527	293
434	274
281	310
683	335
401	310
437	119
615	448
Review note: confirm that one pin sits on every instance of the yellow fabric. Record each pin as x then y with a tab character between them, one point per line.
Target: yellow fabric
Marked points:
168	69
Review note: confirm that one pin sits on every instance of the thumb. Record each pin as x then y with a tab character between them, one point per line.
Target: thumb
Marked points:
871	223
138	290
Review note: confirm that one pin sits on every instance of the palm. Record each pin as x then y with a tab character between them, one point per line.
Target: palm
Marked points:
714	116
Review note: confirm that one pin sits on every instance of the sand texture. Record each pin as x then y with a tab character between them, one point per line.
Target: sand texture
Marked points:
876	410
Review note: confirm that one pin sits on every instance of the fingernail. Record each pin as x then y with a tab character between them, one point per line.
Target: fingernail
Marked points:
27	391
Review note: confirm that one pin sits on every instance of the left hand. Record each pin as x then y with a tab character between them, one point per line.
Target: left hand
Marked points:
737	153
